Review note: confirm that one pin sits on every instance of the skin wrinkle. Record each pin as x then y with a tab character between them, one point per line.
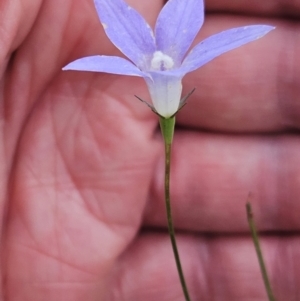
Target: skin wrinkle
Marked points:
288	176
138	113
85	34
105	221
57	247
57	258
56	210
38	50
24	221
66	283
287	73
25	225
58	244
87	204
10	108
21	74
271	8
100	148
8	134
19	12
7	29
3	67
270	162
288	254
30	13
74	181
57	231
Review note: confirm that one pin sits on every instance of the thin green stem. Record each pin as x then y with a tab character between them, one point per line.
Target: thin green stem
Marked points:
167	127
259	252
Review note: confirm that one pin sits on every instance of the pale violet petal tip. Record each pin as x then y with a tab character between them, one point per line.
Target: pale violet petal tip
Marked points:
220	43
126	29
106	64
177	25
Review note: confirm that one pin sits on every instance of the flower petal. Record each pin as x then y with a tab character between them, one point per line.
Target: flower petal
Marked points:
165	92
107	64
220	43
127	30
177	25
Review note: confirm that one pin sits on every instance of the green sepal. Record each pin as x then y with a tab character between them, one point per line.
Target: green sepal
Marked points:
167	126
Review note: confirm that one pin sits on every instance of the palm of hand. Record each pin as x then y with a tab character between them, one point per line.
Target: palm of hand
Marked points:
79	169
80	166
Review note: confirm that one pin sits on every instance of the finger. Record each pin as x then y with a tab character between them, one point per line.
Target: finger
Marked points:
252	89
16	20
213	174
283	8
216	268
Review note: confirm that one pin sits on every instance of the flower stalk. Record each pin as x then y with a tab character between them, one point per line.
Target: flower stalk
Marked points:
167	128
259	252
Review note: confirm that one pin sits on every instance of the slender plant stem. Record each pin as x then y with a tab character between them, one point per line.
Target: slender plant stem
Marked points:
259	252
167	127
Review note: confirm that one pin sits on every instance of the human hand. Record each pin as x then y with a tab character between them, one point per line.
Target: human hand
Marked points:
82	164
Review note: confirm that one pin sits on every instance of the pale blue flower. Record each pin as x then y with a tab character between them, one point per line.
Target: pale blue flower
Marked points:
160	57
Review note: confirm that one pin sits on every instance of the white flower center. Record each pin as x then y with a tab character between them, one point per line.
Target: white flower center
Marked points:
161	61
